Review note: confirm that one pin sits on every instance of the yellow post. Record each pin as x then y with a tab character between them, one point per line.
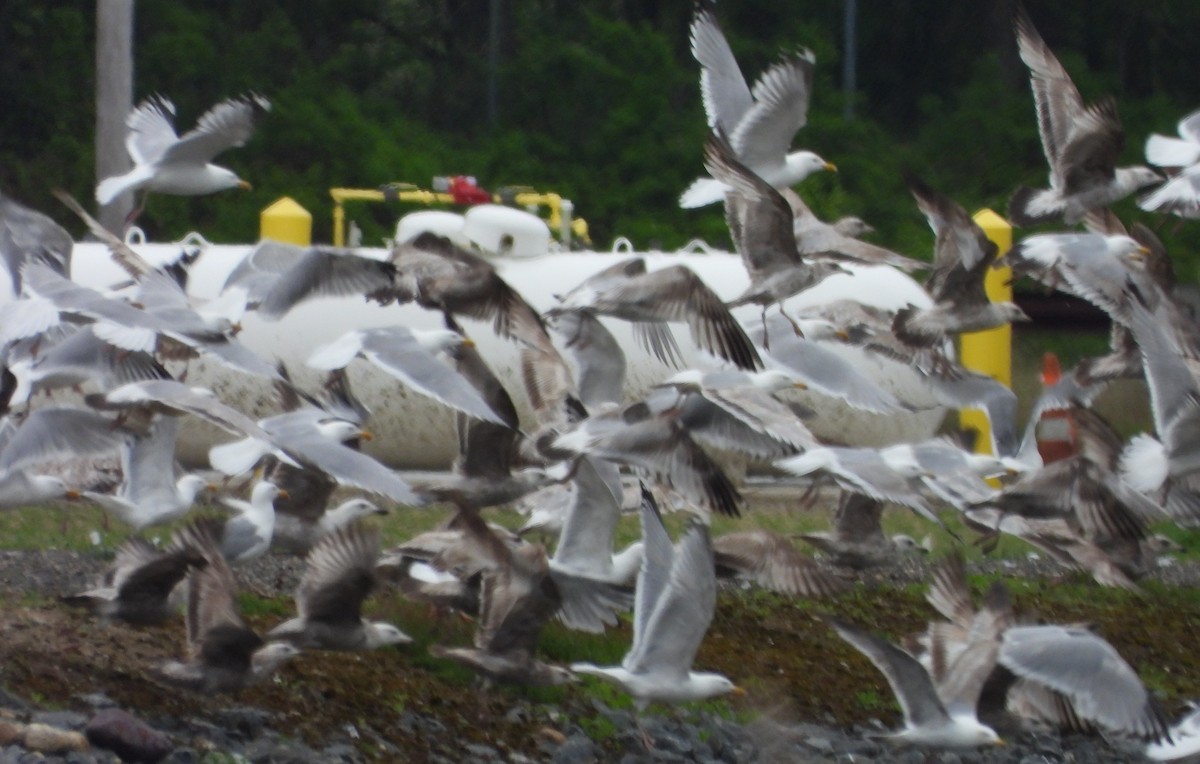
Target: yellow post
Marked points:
990	352
286	221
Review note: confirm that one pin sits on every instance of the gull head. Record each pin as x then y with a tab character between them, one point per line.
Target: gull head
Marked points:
775	380
271	656
380	634
704	685
798	165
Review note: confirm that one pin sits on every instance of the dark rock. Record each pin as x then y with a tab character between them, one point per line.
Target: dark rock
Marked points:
12	702
341	752
579	749
183	756
127	736
245	723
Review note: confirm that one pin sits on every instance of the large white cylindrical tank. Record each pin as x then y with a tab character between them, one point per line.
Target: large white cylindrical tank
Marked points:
414	432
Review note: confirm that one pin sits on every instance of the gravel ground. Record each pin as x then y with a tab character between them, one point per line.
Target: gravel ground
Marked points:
228	727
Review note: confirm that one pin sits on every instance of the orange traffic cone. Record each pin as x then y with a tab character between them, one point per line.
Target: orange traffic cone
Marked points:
1055	432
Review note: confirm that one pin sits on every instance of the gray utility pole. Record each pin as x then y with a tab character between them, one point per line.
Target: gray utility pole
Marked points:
850	59
114	99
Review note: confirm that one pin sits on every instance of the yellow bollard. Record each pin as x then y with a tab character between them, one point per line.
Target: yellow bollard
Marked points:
990	352
286	221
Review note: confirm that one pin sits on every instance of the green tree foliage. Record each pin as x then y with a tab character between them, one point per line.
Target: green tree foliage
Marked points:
596	99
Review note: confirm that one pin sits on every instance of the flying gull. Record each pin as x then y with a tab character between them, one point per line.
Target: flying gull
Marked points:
27	235
599	359
167	163
410	355
772	562
517	598
1180	195
760	122
659	445
224	654
675	293
938	713
137	588
674	603
1082	142
857	540
963	255
339	575
760	223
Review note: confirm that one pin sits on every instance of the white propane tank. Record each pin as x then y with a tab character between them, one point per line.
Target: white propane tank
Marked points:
516	233
441	222
415	432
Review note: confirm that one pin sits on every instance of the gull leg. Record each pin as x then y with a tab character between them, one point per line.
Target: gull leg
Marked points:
766	334
792	321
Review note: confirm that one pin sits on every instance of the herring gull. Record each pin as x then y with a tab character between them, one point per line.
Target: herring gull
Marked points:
1082	142
1180	195
760	121
27	235
674	603
939	713
167	163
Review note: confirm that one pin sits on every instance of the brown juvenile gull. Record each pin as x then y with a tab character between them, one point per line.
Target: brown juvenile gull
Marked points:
137	588
657	443
857	540
1082	142
224	655
839	240
29	235
674	603
651	298
167	163
339	575
963	255
772	562
760	121
517	597
1078	512
760	223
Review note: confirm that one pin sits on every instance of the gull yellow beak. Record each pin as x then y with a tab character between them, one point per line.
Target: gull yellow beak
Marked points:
213	487
1000	743
831	167
842	335
738	691
283	494
468	342
244	185
799	385
72	494
366	435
